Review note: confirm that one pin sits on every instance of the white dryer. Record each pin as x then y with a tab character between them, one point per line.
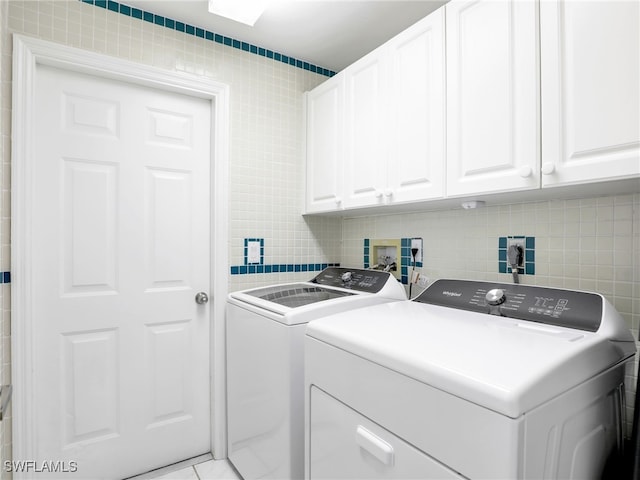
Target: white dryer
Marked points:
469	380
265	371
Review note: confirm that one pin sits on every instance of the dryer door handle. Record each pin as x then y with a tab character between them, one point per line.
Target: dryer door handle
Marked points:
374	445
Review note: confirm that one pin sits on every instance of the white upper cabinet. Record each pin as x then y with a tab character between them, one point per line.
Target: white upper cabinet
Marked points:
416	131
590	61
493	132
525	95
365	142
395	118
324	146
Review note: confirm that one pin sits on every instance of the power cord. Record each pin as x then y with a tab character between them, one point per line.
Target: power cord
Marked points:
414	252
514	255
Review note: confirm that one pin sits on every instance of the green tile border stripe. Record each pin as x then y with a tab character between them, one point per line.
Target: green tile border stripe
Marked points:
206	35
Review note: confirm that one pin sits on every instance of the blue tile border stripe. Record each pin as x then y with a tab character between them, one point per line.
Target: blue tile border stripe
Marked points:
206	35
5	277
280	268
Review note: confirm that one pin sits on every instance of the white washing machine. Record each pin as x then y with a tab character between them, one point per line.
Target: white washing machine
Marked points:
265	355
469	380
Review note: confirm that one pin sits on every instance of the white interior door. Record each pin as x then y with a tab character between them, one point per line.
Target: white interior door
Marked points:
121	244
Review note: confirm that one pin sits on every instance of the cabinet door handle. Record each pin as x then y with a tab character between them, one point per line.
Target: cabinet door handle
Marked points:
525	171
374	445
378	194
548	168
388	192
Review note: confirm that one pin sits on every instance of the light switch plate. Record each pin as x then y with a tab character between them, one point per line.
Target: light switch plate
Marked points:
253	252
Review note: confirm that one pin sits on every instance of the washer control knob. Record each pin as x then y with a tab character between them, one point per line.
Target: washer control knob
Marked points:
346	277
495	297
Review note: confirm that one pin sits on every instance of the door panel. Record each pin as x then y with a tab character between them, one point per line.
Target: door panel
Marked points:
121	246
167	354
89	386
89	217
168	222
90	115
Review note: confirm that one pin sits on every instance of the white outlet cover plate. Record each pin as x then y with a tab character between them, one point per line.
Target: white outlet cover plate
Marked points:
253	252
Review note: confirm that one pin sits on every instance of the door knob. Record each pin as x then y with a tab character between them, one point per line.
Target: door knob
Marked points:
201	298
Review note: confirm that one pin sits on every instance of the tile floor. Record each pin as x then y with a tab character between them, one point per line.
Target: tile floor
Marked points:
199	468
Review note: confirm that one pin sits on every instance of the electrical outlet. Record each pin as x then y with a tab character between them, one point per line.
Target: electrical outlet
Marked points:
416	243
526	263
423	281
520	244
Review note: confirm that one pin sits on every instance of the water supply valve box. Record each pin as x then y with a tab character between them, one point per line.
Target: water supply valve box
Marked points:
386	255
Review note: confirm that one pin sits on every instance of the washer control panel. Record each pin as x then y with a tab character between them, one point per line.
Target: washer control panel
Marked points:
370	281
553	306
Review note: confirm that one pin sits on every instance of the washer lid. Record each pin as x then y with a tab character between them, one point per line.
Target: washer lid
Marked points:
333	290
297	294
507	365
299	303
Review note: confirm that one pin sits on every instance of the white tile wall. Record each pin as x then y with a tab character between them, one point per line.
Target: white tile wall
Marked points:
267	135
587	244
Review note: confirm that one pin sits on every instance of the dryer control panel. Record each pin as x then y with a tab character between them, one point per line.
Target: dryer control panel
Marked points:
370	281
553	306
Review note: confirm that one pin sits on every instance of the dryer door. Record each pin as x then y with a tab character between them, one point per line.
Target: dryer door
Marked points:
345	444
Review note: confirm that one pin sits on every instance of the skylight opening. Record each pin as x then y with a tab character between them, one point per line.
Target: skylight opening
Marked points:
243	11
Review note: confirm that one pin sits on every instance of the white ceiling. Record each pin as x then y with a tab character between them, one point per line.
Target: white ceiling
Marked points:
327	33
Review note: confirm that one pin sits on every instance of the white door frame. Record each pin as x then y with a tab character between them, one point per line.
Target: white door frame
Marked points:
27	54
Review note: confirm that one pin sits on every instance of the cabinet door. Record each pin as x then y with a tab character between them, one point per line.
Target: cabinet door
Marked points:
590	91
324	146
492	96
365	142
415	168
